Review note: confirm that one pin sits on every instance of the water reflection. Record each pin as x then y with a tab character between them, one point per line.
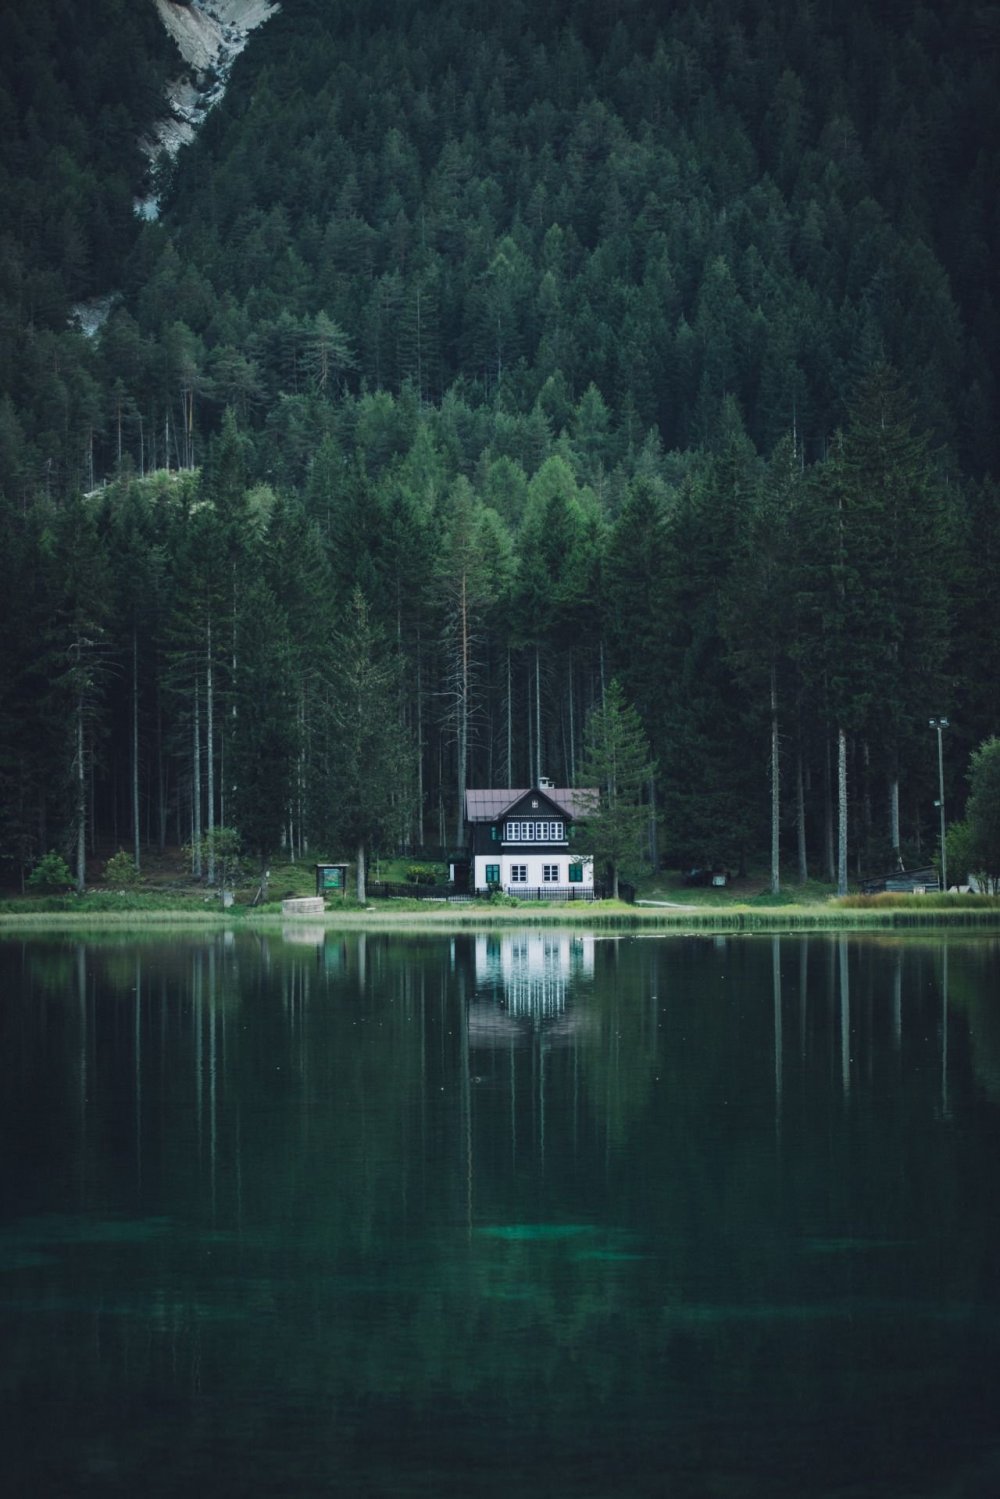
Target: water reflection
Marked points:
155	1022
524	983
461	1212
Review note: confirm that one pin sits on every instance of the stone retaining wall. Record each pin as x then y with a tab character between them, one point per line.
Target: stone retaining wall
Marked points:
306	905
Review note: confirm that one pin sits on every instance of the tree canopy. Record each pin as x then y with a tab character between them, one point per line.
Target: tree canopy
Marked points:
586	341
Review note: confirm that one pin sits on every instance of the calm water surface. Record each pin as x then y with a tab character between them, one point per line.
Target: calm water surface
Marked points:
535	1212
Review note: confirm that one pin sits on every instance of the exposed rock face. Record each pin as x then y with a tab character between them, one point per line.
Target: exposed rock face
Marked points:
90	316
209	34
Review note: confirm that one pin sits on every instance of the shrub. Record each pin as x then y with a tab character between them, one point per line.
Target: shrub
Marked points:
421	874
903	900
50	874
497	897
225	845
120	871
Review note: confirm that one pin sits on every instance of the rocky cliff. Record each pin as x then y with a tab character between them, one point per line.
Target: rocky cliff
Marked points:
210	35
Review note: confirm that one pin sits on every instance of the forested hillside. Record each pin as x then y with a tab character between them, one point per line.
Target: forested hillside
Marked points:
480	355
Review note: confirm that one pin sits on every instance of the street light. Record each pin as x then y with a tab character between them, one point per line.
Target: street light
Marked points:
939	724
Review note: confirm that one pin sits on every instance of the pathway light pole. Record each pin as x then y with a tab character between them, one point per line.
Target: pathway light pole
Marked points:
939	724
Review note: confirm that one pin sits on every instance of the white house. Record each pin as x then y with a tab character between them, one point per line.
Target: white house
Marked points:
519	841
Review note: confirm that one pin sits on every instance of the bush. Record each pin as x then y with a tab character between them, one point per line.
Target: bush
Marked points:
421	874
120	871
225	845
775	898
497	897
50	874
903	900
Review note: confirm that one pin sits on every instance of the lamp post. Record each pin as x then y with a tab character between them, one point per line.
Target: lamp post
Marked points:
939	724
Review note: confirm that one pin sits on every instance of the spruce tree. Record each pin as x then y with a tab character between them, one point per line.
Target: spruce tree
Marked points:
982	813
264	735
615	770
371	758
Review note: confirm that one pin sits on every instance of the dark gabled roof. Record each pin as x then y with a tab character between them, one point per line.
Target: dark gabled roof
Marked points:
490	805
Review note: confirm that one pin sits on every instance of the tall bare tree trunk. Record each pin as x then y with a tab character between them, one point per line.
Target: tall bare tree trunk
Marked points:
210	752
538	718
531	730
196	786
420	745
830	857
841	811
572	732
894	837
81	799
775	789
463	709
510	725
135	746
800	817
161	779
361	886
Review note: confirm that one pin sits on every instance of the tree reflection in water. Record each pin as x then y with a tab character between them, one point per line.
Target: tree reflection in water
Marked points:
716	1193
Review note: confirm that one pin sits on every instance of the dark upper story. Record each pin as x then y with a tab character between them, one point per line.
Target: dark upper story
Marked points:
524	817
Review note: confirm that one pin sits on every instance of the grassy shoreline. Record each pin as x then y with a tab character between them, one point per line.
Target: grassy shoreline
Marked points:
605	916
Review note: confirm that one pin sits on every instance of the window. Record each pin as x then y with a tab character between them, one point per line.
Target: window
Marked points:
535	832
519	874
550	874
494	833
576	874
493	874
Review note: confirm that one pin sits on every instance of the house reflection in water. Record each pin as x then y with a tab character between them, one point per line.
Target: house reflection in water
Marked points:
524	986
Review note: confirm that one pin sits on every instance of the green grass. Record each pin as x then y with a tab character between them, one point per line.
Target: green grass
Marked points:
395	871
168	899
936	901
605	915
753	889
103	902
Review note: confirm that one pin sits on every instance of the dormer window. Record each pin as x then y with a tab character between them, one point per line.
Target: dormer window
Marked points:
534	801
535	832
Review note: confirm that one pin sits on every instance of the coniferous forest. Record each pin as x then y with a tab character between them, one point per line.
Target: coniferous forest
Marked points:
480	356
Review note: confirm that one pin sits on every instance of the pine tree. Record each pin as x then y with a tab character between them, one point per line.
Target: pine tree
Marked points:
712	747
874	560
473	564
615	768
264	736
137	565
755	610
982	813
904	557
78	643
371	757
298	574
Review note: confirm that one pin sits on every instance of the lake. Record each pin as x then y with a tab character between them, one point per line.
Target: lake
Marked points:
529	1211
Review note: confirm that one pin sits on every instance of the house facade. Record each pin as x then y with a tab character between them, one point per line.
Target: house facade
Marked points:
519	841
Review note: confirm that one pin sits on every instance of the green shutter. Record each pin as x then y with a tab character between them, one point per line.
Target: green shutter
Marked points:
576	874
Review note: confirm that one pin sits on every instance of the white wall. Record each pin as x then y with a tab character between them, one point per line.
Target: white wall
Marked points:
534	862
